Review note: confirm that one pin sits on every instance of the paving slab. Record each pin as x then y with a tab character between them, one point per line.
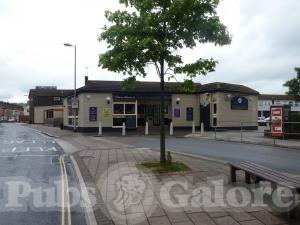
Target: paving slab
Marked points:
149	199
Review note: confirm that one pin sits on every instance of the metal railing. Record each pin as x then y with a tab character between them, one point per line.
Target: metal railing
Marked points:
251	132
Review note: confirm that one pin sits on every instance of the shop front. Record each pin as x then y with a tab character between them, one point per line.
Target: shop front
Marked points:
136	110
216	106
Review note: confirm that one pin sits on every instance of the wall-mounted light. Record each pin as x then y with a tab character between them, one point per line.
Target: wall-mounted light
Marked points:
207	96
88	97
177	101
108	100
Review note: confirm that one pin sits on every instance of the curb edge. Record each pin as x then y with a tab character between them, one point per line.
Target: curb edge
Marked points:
89	214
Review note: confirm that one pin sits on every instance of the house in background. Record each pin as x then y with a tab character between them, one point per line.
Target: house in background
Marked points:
217	105
265	101
46	105
10	111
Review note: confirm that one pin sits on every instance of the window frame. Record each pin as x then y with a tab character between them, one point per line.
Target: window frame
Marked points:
215	108
123	116
124	108
51	113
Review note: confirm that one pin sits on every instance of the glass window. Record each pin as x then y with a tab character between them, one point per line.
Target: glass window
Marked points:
215	122
141	109
189	114
215	108
49	114
166	109
297	104
119	109
70	112
57	99
130	109
118	122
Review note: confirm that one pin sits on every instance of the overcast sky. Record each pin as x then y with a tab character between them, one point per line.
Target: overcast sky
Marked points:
263	54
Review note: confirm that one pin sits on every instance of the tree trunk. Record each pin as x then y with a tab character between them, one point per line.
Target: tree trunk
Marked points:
162	115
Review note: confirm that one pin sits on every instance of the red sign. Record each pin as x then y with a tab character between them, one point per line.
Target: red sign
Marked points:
277	121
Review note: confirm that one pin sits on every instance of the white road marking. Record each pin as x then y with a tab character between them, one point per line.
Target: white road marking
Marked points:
20	141
52	149
9	156
29	149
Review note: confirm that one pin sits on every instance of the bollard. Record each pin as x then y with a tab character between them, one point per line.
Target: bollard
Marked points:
171	129
147	129
100	130
202	129
123	129
193	128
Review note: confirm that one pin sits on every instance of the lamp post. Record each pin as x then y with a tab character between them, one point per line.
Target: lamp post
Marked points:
74	98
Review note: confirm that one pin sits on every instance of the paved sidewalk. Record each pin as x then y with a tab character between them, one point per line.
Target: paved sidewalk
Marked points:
246	136
125	195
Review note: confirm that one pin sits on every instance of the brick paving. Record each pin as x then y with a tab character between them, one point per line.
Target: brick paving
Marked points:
123	199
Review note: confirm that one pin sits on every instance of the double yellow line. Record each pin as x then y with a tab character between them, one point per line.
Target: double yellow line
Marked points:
64	191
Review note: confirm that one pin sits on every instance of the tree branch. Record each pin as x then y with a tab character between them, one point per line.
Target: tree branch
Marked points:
157	69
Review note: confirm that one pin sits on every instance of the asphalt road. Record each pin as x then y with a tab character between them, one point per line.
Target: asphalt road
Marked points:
281	159
32	167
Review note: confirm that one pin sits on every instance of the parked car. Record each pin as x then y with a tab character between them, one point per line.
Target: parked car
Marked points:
262	121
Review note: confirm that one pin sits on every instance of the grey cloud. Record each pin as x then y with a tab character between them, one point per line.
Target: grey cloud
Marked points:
264	51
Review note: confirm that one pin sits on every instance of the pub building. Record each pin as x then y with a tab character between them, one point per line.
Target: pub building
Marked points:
216	105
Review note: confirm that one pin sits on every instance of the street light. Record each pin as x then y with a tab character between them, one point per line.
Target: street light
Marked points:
74	99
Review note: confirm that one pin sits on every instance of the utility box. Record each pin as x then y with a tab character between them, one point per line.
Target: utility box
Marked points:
279	120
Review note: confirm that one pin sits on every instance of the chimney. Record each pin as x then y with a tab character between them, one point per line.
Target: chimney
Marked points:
86	79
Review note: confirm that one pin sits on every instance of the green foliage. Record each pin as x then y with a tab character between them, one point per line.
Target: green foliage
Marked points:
294	85
151	32
169	157
156	167
129	83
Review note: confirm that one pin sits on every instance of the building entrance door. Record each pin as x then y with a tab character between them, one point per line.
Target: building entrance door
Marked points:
152	114
205	116
156	115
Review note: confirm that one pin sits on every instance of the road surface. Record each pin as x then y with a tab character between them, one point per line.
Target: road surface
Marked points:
34	168
282	159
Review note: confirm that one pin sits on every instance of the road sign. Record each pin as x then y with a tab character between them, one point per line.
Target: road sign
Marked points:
75	103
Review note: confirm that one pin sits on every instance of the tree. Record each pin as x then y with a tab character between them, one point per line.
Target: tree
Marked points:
294	85
151	33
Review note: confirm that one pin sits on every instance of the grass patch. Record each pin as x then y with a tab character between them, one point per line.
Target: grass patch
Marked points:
156	167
